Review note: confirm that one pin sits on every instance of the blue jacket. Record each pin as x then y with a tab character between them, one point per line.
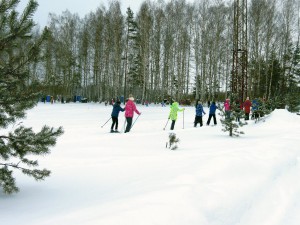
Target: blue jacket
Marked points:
255	105
116	109
199	110
212	108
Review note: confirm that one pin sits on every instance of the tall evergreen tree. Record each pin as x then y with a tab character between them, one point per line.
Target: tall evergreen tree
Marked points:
18	50
133	53
293	96
128	55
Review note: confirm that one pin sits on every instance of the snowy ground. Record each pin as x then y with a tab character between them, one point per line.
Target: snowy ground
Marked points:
100	178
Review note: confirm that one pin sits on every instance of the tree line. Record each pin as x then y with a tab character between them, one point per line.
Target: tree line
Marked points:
177	49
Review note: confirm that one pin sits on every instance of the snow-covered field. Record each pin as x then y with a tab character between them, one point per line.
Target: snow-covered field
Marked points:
99	178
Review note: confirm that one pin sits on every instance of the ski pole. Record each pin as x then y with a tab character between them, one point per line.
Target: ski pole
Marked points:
183	120
123	129
166	124
135	121
106	122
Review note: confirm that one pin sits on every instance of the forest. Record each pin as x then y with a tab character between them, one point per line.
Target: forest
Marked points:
177	49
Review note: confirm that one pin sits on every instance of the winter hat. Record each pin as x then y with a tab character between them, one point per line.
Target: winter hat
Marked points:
131	97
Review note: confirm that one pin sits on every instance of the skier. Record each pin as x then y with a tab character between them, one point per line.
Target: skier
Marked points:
227	108
255	107
199	113
212	113
114	116
174	109
247	106
130	108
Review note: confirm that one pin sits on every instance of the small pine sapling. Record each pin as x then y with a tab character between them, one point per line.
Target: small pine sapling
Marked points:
264	108
173	140
233	122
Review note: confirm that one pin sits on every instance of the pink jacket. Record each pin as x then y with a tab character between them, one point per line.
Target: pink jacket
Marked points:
130	108
227	105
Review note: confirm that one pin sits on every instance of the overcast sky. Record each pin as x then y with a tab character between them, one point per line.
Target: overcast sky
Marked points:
82	7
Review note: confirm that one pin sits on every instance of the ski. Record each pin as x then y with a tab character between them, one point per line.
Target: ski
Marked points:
114	131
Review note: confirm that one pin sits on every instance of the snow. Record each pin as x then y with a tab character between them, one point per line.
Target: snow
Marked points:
133	179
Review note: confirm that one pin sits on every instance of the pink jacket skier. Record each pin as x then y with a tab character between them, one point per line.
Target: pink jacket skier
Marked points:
227	108
227	104
130	108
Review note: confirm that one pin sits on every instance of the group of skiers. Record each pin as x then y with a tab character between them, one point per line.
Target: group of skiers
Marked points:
200	112
130	108
246	106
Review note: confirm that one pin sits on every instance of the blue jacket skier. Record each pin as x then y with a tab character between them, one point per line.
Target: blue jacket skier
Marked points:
199	113
212	113
114	115
255	108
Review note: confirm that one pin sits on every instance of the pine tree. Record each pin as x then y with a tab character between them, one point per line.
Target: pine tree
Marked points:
173	140
232	123
18	50
133	53
264	108
293	96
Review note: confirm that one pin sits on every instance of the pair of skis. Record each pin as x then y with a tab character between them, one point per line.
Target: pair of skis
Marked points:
123	129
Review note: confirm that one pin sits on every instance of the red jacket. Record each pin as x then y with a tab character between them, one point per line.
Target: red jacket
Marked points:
247	105
130	108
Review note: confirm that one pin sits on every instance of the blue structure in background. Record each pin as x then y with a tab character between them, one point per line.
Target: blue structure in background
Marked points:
48	98
77	98
122	99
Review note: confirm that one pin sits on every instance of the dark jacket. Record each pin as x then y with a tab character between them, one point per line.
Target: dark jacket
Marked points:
116	109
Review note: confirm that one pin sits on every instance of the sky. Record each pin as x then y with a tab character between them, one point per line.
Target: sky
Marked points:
82	7
131	178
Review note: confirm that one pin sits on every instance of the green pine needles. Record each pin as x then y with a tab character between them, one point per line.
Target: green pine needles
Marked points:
232	120
18	51
173	141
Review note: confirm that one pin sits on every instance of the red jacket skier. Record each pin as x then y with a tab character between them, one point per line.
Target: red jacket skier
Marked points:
247	106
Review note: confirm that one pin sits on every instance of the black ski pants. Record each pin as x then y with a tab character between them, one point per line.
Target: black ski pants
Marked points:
198	119
129	123
115	122
246	116
173	124
209	118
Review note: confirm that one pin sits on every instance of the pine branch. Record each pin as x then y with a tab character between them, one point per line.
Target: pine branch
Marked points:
19	50
16	166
